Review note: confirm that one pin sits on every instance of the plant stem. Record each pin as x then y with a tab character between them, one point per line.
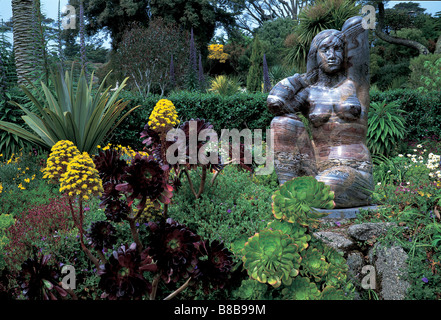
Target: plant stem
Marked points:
135	235
154	287
102	257
190	183
203	178
80	227
180	289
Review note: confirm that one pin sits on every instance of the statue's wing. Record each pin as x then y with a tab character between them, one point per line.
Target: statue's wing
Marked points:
357	46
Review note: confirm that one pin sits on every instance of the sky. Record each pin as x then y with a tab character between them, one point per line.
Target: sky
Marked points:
50	8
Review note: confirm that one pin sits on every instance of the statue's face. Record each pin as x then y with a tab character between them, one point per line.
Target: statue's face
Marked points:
330	54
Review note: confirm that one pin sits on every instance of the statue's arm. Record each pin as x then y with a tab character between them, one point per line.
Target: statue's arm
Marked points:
287	96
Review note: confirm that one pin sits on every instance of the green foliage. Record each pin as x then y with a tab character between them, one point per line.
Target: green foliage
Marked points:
272	257
9	142
285	254
431	81
236	205
422	111
319	16
272	35
296	199
419	72
112	15
279	72
144	56
385	127
225	85
241	110
255	75
80	116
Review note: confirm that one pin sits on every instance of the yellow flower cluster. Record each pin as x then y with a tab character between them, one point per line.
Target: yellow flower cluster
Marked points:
164	116
1	187
128	151
81	178
216	52
61	153
150	213
15	158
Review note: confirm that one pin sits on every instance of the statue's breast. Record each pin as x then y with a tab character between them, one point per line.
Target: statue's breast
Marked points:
333	103
321	104
348	109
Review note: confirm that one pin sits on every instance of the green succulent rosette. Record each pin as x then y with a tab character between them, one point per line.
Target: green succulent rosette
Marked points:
314	264
294	230
338	268
271	257
301	289
251	289
296	199
333	293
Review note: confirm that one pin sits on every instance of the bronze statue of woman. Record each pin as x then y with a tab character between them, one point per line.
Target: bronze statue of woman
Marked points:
320	122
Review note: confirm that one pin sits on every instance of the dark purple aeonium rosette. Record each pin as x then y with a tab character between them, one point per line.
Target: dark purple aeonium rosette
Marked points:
214	269
102	235
38	280
172	246
122	276
145	179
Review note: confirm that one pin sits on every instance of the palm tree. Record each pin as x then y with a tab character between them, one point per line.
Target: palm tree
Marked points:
22	15
318	16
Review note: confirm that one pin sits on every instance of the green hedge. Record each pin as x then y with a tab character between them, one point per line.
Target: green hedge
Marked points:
224	112
423	111
249	110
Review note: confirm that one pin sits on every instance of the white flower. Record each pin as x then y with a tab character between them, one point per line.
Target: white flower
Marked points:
400	155
419	146
415	150
379	184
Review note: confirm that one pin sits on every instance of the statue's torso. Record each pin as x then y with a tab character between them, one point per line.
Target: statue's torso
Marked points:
339	125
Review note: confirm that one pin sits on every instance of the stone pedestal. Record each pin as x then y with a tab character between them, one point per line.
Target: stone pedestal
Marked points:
346	213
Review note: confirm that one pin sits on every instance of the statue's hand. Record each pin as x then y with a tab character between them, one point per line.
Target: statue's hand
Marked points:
283	98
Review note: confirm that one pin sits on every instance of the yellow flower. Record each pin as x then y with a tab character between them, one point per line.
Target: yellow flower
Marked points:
62	152
89	183
162	116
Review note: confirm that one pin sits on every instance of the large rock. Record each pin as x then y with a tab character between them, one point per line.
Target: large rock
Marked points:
367	231
391	268
335	240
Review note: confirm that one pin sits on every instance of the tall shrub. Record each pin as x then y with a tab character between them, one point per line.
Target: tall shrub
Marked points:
145	55
255	75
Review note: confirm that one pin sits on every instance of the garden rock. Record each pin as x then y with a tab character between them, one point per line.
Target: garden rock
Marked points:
334	240
390	265
368	231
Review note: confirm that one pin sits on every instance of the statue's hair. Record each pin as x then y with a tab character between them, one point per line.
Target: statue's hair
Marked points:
312	66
